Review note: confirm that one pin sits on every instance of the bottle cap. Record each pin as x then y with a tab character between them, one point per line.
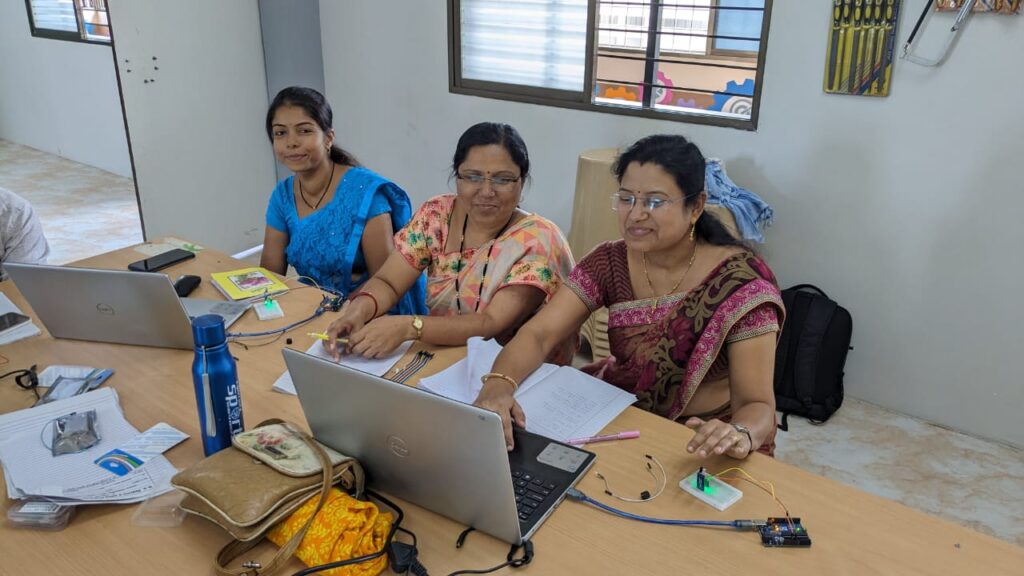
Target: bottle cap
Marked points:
208	330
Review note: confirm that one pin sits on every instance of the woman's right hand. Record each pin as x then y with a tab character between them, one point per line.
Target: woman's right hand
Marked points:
349	320
496	396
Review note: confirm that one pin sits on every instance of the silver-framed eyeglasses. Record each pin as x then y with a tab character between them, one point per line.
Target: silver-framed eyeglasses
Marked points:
498	183
622	202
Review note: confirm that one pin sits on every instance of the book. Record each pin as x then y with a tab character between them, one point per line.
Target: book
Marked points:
248	284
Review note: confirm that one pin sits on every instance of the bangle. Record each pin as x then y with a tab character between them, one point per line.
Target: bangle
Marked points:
372	297
500	376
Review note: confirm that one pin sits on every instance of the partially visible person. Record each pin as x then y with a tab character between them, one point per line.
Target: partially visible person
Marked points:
693	314
490	265
21	234
333	221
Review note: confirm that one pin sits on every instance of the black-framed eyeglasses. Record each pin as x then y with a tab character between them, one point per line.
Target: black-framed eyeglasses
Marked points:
500	183
625	202
26	379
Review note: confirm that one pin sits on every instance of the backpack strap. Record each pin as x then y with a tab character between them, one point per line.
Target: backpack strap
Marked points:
805	370
807	287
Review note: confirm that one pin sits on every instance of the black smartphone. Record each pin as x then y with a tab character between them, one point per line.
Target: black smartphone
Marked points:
12	319
161	261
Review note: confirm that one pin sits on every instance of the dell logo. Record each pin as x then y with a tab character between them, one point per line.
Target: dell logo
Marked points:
105	309
397	446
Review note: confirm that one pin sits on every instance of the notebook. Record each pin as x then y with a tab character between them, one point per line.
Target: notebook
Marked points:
248	284
435	452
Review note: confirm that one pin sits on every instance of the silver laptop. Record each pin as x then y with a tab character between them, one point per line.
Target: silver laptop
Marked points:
117	306
441	454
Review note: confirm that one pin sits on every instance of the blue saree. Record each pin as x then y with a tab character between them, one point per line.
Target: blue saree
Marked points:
326	245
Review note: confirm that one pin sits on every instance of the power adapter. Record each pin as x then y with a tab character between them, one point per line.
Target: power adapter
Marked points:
403	559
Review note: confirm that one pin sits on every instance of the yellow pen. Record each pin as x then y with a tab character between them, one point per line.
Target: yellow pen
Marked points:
324	336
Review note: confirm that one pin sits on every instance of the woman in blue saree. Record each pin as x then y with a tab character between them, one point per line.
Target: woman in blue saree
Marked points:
334	220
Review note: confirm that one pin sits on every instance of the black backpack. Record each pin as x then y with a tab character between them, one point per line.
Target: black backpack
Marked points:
811	354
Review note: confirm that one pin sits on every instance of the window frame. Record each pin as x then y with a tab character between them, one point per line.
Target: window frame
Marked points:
65	35
582	100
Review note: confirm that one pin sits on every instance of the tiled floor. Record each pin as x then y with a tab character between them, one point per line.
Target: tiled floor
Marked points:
84	210
87	211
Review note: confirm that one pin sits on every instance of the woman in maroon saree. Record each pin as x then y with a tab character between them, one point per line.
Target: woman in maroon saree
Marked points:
693	313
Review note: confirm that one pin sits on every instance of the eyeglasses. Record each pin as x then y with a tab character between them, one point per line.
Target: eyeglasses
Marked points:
498	183
625	202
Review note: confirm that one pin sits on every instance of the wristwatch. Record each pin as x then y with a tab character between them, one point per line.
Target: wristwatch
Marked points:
745	430
417	324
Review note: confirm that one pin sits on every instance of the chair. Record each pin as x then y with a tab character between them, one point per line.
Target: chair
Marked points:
593	222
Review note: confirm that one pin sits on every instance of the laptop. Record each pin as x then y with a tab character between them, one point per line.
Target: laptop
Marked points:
435	452
117	306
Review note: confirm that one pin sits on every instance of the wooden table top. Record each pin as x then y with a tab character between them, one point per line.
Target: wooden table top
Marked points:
853	532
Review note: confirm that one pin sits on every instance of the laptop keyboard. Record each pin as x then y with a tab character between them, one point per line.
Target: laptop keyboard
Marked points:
531	492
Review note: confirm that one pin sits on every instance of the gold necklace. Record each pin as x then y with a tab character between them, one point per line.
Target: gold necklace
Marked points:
657	299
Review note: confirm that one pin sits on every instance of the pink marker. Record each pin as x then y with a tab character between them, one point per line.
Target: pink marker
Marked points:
620	436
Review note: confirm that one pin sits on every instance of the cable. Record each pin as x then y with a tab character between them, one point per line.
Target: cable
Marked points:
365	558
760	484
510	561
645	496
581	497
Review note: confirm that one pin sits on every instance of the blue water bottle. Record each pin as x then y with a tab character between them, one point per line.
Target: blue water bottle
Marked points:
216	384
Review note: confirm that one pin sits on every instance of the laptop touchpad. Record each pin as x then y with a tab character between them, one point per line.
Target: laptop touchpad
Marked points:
562	457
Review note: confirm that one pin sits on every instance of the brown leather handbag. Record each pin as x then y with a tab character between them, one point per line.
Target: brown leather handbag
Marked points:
267	474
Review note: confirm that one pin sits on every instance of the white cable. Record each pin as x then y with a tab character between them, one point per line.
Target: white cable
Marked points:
663	481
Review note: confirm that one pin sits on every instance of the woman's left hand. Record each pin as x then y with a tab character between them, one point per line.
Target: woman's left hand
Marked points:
381	336
715	437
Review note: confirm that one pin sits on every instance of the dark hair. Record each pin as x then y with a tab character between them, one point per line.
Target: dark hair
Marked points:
486	133
685	163
317	108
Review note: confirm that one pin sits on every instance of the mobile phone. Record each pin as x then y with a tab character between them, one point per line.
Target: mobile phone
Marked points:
12	319
161	261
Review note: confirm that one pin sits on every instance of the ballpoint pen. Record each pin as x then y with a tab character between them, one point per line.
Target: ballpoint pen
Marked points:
323	336
620	436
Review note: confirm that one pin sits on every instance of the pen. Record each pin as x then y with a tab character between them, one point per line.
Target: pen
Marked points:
323	336
620	436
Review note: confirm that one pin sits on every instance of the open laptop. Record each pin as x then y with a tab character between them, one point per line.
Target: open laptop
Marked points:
117	306
441	454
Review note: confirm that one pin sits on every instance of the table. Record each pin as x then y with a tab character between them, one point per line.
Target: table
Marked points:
852	531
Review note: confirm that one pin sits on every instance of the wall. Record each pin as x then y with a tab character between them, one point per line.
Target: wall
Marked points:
195	96
59	97
903	208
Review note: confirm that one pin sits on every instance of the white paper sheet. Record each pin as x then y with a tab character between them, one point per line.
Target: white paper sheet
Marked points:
26	330
377	367
559	402
31	470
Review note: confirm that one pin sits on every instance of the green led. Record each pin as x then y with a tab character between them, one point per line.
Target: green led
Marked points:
269	303
708	489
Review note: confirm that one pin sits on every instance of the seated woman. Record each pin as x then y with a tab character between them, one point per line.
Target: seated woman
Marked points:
692	313
334	220
489	264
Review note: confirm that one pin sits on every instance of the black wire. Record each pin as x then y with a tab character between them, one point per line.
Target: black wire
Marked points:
523	560
367	557
25	374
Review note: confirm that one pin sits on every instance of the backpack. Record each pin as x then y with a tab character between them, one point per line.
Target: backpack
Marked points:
811	354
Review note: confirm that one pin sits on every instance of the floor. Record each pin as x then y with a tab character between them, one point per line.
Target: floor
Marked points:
84	210
978	483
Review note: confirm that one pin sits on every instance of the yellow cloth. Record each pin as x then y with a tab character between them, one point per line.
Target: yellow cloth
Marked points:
345	528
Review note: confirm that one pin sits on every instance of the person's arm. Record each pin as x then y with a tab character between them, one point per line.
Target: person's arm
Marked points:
273	257
560	319
27	244
378	295
752	397
378	241
509	307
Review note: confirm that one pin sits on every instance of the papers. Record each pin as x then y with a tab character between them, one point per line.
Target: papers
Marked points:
30	470
559	402
377	367
141	449
26	330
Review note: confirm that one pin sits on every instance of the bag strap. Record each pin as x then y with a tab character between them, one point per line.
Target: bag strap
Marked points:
236	548
805	369
807	287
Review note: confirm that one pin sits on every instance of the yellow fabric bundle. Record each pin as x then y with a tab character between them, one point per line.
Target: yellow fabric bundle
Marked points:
345	528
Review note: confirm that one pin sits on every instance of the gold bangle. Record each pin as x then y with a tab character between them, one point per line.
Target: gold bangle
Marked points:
500	376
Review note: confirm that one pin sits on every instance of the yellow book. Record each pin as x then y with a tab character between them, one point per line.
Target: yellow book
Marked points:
248	284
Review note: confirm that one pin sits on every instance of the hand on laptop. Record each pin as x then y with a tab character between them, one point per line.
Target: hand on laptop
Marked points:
496	396
381	336
350	320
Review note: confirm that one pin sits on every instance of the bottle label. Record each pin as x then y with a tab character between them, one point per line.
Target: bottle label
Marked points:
234	405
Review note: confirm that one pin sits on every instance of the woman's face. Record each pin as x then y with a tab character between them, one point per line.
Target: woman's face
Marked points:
659	218
488	203
299	143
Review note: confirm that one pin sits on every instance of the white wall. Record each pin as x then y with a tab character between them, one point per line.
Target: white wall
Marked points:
903	208
59	97
196	99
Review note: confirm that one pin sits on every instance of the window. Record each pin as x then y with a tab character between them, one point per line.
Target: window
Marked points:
690	60
76	20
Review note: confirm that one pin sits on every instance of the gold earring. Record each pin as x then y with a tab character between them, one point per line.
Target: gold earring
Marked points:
693	231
